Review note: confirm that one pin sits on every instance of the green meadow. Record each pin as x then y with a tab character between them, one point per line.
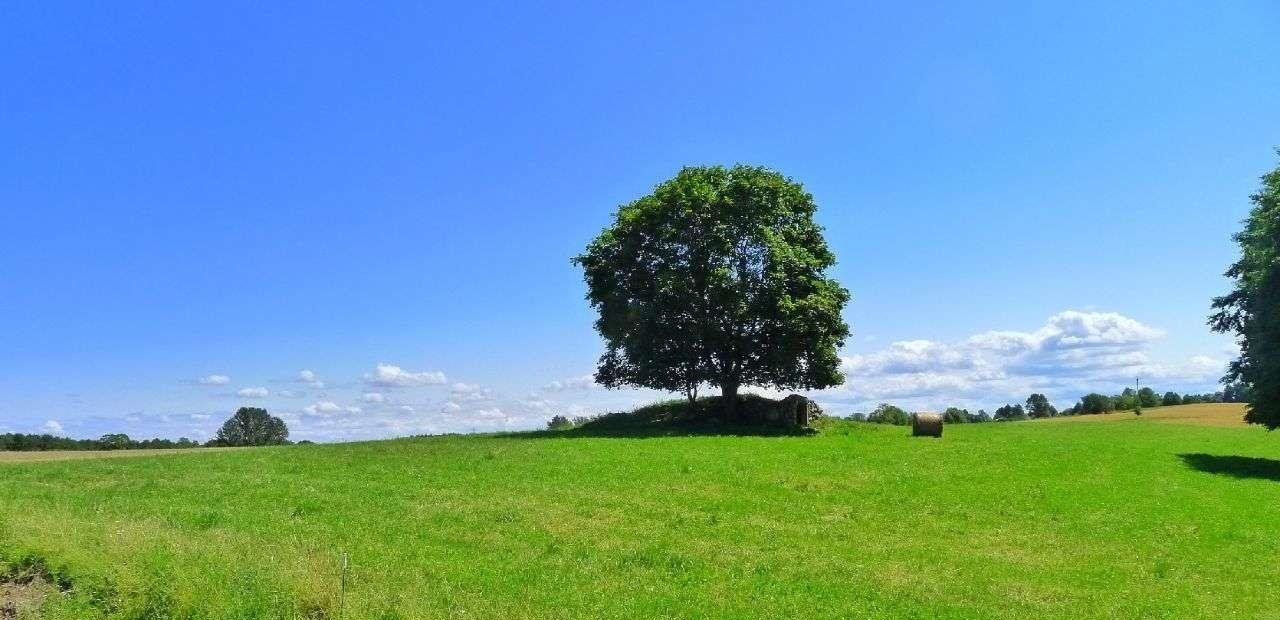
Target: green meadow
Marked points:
1099	516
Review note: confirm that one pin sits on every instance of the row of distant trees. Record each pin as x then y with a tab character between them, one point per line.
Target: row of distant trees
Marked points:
111	441
1147	397
249	426
1038	406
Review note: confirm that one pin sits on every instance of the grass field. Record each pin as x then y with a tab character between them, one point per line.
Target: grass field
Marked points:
1104	516
65	455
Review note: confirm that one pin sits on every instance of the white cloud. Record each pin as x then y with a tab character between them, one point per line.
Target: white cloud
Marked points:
1072	353
390	375
450	406
327	407
373	397
460	392
214	380
309	378
253	392
53	427
582	382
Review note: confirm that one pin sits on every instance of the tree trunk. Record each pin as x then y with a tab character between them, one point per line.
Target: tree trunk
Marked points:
729	394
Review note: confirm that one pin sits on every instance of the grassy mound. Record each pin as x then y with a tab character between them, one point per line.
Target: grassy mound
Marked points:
707	415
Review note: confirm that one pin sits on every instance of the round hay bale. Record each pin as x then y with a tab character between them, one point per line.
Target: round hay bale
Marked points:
926	424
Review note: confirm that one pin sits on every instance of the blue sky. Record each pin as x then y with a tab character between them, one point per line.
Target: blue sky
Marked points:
1020	197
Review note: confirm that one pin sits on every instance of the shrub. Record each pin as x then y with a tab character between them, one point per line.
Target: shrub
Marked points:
889	414
955	415
1009	413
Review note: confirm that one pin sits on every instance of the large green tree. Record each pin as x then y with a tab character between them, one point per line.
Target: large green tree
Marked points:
717	278
1252	309
252	426
1038	406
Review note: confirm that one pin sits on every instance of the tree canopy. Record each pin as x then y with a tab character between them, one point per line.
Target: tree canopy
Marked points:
252	426
1252	309
717	278
1038	406
885	413
1009	413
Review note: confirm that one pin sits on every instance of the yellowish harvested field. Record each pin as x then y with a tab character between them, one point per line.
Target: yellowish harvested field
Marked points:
68	455
1211	414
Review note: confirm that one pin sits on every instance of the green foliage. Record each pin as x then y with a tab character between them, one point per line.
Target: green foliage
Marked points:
115	441
885	413
750	415
1096	403
955	415
1038	406
1171	399
1252	309
559	423
1126	400
716	278
1009	413
1147	397
252	426
18	442
1237	393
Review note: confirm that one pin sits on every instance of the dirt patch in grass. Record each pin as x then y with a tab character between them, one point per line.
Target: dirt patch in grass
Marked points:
23	600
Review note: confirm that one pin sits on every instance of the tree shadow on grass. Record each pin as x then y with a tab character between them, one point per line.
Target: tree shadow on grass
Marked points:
1234	466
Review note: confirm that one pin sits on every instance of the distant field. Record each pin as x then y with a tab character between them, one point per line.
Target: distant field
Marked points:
1212	414
1137	518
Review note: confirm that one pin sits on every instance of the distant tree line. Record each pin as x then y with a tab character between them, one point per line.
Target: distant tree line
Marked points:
1146	397
110	441
1038	406
250	426
886	413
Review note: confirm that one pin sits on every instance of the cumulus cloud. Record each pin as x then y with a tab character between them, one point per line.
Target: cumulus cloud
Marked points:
253	392
1071	353
214	380
373	397
392	376
53	427
309	378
